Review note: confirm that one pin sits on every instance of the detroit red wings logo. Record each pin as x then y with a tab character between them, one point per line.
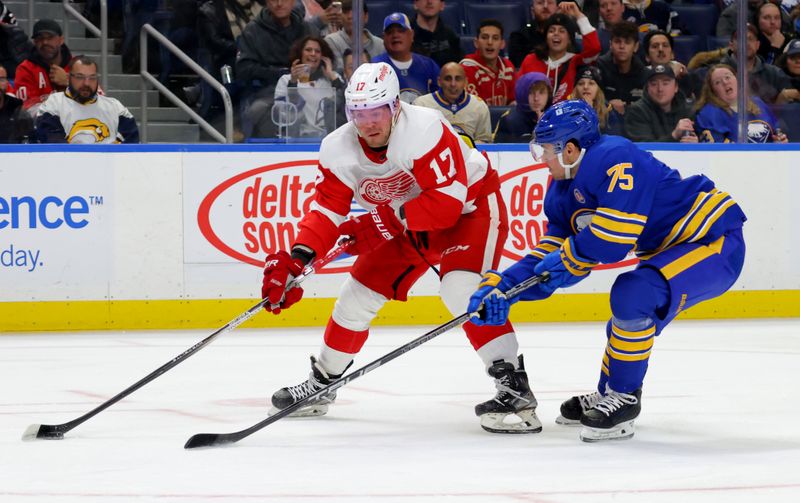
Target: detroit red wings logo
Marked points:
384	190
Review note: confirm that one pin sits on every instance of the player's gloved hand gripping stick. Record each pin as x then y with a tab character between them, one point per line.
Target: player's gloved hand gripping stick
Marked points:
215	439
56	431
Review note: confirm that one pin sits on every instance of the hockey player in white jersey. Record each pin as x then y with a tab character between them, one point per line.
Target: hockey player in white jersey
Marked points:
81	115
431	199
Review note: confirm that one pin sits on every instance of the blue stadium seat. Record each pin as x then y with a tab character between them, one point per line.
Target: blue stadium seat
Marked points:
377	12
495	113
699	19
513	15
686	46
452	15
717	42
788	116
467	44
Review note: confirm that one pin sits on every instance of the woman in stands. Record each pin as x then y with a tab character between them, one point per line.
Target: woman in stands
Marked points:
533	96
309	99
772	39
717	117
588	87
556	59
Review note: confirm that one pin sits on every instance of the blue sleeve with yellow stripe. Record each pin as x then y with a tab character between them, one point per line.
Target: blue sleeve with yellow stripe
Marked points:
623	180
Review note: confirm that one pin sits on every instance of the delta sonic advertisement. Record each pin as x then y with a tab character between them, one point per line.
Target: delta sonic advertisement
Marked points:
55	228
240	207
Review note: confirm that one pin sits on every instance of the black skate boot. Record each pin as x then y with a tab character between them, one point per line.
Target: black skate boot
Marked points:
575	407
514	398
612	417
317	380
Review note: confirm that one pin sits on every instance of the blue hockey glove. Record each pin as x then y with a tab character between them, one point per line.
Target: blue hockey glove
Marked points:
491	294
566	267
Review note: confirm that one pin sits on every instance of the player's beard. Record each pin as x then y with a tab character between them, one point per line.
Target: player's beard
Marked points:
81	95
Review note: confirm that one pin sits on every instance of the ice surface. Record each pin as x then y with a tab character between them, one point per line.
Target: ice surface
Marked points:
719	420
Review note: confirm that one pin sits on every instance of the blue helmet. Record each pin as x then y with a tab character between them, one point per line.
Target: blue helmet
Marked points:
565	121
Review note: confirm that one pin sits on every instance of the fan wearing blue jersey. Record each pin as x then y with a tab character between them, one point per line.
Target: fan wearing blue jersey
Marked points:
609	198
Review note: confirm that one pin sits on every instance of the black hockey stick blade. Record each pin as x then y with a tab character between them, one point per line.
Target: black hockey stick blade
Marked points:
218	439
56	431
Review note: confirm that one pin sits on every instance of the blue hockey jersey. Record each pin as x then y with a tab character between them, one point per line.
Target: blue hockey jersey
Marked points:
715	125
420	78
622	199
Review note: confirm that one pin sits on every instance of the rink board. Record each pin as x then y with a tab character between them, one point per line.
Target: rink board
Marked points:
174	236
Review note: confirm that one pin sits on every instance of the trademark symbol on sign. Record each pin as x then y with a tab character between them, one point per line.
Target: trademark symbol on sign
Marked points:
96	200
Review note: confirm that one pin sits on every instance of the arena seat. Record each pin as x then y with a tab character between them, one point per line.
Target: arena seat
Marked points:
717	42
699	19
513	15
686	46
495	113
377	12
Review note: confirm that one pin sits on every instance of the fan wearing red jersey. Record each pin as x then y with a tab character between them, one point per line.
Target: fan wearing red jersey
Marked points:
429	199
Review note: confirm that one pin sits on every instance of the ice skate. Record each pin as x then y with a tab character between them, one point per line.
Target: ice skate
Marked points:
514	399
612	417
575	407
317	380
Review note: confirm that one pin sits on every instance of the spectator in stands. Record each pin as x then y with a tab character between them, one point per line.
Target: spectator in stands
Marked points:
45	70
658	50
263	57
531	37
325	16
533	96
622	70
766	80
489	75
717	120
14	44
418	74
341	40
81	115
556	61
789	62
16	126
770	37
431	37
589	87
467	113
220	23
348	63
610	14
651	15
662	115
727	22
313	88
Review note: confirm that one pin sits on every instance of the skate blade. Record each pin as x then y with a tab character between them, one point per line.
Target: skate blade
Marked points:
567	422
314	410
621	431
527	422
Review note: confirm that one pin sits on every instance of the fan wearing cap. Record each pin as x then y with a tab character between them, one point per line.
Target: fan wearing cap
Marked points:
556	60
589	88
47	67
662	115
789	62
417	74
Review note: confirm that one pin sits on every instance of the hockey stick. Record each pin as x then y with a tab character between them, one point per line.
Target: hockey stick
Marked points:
215	439
56	431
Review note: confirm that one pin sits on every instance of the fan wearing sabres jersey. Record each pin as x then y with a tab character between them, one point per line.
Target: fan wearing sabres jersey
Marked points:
609	198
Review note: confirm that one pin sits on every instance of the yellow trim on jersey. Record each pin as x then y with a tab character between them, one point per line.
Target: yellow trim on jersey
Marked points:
695	256
613	238
623	215
573	264
490	279
615	226
706	210
547	244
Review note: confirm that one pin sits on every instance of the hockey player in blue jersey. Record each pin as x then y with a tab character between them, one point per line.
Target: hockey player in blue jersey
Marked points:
609	198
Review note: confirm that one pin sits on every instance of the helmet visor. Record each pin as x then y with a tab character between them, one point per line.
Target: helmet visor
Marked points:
362	117
542	153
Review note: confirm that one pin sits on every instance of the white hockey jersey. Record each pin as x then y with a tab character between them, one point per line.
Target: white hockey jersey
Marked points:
427	170
102	120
